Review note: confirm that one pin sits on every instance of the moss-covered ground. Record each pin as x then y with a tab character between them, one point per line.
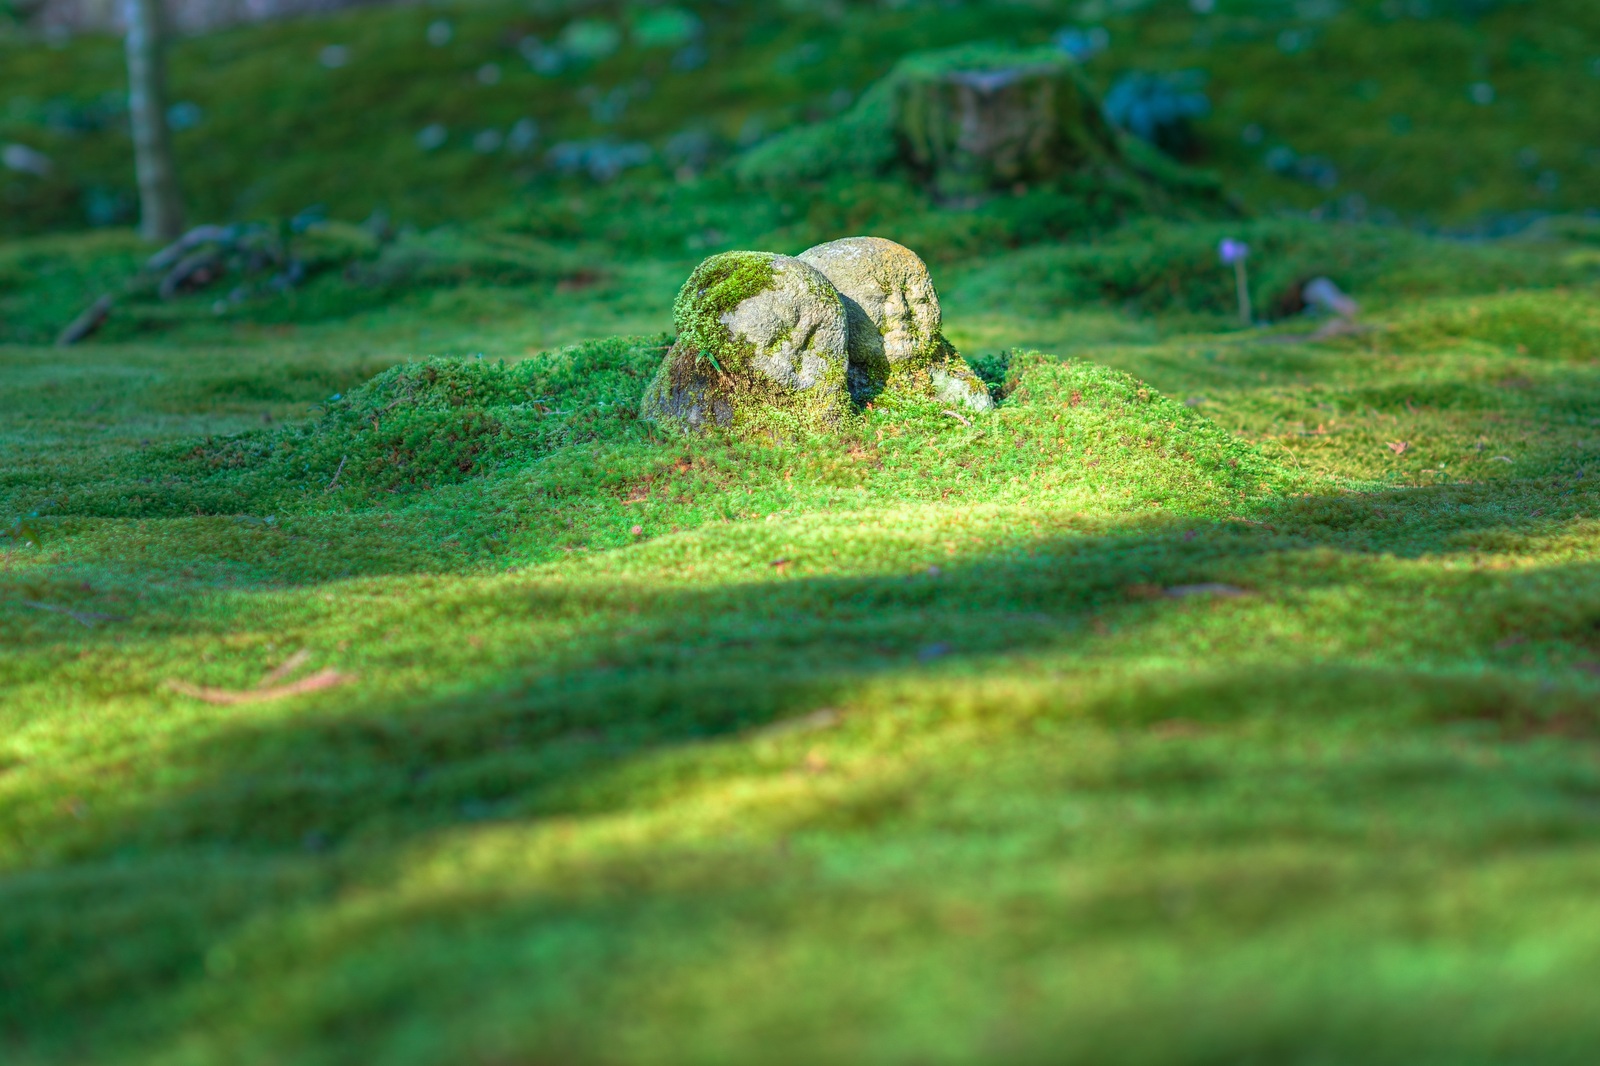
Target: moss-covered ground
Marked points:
376	688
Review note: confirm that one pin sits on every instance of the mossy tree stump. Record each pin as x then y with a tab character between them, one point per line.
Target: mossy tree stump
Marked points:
975	120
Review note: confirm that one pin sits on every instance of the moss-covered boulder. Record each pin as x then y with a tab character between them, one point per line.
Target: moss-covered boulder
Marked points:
762	342
895	323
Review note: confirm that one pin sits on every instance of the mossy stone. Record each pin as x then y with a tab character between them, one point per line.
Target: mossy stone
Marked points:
717	286
762	341
895	323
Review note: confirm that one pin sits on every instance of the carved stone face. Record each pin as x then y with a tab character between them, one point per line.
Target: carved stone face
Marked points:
797	327
894	309
910	317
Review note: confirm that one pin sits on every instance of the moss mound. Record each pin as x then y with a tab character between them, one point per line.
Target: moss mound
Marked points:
414	427
1132	437
443	420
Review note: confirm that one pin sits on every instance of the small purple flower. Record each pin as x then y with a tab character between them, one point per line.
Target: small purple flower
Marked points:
1232	251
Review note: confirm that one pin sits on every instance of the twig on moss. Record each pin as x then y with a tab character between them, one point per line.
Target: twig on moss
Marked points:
332	484
1288	449
957	416
323	679
86	619
286	669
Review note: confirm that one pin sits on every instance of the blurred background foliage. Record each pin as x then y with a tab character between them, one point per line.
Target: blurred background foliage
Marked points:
543	116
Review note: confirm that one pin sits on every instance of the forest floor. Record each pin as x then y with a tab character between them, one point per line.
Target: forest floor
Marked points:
376	687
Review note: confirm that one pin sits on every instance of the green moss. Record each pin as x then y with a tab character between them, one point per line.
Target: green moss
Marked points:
825	698
859	143
717	286
1213	655
461	255
1171	271
415	427
45	284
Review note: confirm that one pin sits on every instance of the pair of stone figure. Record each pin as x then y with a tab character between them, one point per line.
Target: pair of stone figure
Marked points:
768	340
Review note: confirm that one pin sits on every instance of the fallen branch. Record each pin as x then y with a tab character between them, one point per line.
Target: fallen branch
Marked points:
195	271
87	324
1206	588
323	679
826	718
86	619
169	256
957	416
1337	327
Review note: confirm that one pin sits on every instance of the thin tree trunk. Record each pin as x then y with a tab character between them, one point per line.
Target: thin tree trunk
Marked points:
160	207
